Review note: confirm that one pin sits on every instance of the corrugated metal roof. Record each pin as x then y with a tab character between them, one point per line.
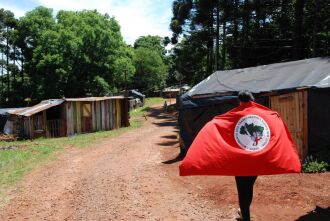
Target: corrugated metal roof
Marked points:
5	111
314	72
94	98
44	105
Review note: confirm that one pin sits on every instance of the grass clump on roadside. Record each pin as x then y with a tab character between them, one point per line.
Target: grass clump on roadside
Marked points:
23	156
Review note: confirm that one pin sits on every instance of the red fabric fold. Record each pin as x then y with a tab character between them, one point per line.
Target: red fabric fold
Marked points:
249	140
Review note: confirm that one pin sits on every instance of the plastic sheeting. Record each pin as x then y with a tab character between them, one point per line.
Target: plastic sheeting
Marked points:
313	72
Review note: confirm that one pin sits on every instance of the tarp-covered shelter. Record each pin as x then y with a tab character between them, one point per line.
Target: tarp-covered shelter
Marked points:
299	91
69	116
6	125
137	94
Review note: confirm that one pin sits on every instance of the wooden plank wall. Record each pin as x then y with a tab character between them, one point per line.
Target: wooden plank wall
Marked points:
69	118
293	109
93	116
106	115
78	116
118	113
114	114
98	117
103	116
110	115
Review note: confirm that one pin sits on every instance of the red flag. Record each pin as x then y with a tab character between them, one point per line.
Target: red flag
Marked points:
249	140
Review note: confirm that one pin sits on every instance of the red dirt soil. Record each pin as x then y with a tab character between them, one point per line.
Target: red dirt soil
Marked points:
135	177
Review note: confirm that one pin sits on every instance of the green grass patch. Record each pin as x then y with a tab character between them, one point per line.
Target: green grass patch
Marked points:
32	153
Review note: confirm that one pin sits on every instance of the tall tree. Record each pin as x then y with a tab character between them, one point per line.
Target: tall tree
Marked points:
151	63
150	70
7	24
298	29
76	54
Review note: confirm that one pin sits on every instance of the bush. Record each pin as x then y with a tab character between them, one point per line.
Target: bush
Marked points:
315	167
312	165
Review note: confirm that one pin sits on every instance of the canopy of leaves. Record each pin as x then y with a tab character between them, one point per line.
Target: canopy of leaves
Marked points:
151	63
150	70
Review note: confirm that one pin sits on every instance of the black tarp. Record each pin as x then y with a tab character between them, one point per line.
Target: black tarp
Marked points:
136	94
318	120
3	120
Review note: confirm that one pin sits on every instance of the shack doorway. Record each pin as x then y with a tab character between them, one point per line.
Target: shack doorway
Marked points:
54	122
86	118
293	109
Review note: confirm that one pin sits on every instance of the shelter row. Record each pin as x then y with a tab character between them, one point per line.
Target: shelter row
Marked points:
299	91
69	116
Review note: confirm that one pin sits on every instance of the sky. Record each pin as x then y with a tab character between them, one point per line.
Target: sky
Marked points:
136	17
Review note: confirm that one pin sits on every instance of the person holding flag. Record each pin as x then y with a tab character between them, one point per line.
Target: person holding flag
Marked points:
247	141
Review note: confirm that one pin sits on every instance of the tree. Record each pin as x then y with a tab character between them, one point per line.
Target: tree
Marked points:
76	54
151	63
151	42
8	25
151	72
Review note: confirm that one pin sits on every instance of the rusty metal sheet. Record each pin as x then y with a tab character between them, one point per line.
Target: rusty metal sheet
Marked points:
44	105
94	98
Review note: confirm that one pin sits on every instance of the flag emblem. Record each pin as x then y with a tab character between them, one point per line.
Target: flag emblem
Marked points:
252	133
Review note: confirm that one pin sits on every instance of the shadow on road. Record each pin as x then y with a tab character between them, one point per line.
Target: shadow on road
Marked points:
170	137
166	118
176	159
168	143
318	214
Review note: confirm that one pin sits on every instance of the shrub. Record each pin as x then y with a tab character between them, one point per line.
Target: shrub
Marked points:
312	165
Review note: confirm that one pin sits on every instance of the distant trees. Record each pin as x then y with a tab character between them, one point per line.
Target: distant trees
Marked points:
150	63
242	33
74	54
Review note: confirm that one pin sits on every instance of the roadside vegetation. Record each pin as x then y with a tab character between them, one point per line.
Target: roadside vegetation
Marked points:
317	163
19	157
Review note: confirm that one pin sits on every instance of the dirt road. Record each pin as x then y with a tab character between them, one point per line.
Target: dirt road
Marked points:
135	177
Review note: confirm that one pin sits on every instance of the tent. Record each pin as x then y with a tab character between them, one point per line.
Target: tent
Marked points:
298	90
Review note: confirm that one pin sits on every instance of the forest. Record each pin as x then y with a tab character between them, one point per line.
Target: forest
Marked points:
82	53
73	54
212	35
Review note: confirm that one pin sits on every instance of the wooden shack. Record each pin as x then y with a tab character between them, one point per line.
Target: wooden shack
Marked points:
85	115
70	116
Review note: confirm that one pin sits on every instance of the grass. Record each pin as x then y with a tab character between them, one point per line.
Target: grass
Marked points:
32	153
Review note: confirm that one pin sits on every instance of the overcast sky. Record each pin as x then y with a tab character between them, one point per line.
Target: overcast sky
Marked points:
136	17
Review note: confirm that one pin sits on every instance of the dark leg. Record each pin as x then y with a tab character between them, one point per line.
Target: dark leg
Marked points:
245	194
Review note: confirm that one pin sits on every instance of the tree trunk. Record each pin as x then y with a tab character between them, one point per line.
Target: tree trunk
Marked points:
217	37
22	70
2	71
258	17
7	61
224	34
298	40
235	32
284	19
315	28
14	70
245	30
210	43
